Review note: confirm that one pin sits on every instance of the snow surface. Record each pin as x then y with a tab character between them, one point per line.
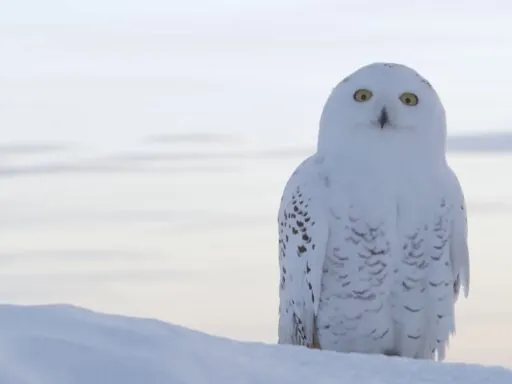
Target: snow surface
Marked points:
61	344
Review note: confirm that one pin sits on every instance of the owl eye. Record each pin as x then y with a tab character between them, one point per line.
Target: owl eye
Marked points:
409	99
362	95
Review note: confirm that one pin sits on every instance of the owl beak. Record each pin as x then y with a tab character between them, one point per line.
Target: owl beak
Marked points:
383	118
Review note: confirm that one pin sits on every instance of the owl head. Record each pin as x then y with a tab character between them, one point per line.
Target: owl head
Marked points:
382	108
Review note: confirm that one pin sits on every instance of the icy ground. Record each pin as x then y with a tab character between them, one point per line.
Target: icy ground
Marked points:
60	344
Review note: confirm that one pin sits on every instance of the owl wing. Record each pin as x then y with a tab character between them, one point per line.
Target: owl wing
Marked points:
459	253
303	235
457	272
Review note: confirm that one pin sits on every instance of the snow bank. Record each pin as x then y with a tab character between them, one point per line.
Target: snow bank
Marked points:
59	344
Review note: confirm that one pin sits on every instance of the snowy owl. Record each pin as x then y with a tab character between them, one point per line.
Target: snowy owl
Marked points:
373	227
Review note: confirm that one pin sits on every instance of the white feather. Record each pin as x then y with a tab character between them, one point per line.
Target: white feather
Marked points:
303	234
459	244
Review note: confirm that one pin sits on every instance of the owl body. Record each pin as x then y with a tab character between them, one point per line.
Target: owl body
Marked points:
372	237
376	283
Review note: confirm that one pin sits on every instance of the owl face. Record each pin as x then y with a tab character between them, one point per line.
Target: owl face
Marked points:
382	102
364	95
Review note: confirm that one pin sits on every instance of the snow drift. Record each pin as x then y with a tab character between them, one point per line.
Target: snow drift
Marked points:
60	344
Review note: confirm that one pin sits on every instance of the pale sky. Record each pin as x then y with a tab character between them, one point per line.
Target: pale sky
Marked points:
108	72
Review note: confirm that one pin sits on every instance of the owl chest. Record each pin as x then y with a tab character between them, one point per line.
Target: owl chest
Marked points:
373	248
360	256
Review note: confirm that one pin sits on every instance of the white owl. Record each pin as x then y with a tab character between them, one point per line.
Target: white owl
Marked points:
372	227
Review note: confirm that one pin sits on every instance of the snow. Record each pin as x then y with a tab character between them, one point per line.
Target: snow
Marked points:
63	344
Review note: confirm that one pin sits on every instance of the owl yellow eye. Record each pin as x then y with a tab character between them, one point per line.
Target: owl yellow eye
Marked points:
362	95
409	99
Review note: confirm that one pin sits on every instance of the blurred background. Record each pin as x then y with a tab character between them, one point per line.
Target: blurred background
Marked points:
144	146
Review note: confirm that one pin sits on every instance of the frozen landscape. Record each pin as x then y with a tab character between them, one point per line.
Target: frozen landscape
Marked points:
143	151
69	345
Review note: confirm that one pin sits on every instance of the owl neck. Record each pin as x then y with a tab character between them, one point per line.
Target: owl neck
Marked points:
382	153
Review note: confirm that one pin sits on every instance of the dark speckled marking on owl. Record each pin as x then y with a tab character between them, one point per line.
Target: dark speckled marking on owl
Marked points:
391	353
426	82
333	214
456	286
406	287
299	330
299	221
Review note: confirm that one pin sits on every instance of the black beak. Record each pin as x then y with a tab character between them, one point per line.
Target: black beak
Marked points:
383	118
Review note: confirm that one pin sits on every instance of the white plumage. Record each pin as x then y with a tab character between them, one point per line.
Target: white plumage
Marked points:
372	227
